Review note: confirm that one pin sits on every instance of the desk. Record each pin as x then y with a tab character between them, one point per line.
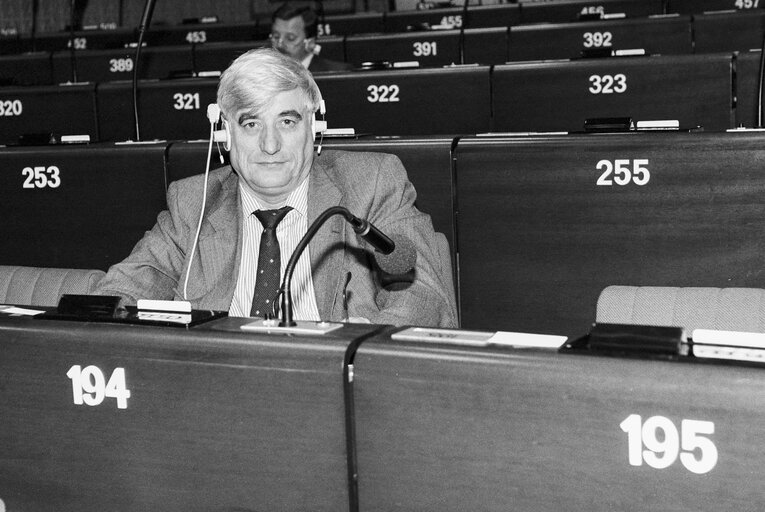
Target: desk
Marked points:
450	428
409	102
560	96
729	31
57	109
562	11
217	419
542	227
78	206
108	65
168	109
661	36
477	16
26	69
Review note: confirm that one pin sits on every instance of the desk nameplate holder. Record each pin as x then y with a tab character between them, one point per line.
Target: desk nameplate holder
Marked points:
302	327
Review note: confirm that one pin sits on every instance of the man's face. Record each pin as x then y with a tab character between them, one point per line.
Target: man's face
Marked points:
272	150
288	36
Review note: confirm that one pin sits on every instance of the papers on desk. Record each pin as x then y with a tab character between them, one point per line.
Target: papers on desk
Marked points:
14	310
739	346
479	338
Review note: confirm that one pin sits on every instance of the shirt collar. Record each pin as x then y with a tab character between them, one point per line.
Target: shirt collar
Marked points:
297	199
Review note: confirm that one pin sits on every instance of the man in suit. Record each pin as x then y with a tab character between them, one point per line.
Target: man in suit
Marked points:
268	102
293	33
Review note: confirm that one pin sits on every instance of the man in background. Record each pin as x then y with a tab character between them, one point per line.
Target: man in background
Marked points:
293	33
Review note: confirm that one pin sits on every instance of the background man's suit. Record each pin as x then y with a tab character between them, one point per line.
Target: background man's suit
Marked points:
370	185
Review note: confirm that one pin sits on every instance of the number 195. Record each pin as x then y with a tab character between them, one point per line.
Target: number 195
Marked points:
663	442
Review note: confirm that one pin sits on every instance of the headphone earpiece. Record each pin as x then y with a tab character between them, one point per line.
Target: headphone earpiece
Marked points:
319	126
220	136
226	136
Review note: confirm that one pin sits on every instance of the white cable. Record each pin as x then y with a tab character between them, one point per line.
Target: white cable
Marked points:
202	213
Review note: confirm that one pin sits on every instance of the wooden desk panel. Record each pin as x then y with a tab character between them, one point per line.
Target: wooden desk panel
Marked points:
445	428
216	419
538	238
78	206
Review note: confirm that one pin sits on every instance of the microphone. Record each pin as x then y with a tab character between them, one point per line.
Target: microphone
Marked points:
461	43
72	57
363	228
148	9
399	261
371	234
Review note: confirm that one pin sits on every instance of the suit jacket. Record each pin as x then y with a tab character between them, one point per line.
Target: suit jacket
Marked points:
320	64
371	185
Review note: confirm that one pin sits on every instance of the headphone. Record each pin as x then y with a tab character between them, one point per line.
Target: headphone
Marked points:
223	136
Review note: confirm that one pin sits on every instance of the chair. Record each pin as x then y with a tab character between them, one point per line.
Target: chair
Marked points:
36	286
732	309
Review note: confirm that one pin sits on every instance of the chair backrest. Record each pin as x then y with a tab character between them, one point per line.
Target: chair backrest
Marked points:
445	258
36	286
734	309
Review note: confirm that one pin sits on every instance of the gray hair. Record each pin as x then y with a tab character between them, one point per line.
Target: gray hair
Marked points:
253	79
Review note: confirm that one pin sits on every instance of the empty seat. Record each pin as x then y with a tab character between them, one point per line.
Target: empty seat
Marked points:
731	309
36	286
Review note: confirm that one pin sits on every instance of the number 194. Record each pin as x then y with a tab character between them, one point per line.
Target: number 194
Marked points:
90	387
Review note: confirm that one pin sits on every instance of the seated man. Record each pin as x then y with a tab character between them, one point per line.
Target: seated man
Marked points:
268	102
293	33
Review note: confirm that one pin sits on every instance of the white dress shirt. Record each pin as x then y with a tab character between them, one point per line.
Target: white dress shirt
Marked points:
289	232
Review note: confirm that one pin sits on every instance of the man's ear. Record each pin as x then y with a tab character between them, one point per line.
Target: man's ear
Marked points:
310	44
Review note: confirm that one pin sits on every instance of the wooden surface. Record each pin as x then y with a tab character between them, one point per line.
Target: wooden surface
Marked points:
695	90
216	420
538	240
430	101
107	197
452	429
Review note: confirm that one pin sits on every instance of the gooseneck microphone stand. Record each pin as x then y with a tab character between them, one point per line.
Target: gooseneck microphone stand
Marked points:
362	227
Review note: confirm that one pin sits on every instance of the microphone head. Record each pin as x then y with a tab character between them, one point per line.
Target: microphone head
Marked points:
401	260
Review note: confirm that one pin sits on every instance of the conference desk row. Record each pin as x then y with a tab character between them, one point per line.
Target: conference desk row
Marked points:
661	35
477	16
713	92
538	225
106	416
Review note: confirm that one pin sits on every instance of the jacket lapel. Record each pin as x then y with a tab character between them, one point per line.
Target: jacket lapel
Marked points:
220	242
327	247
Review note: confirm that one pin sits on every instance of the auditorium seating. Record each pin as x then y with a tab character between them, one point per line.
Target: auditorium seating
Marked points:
563	11
27	69
73	206
726	309
702	6
695	90
117	64
503	15
544	223
729	31
662	35
35	286
58	110
409	102
171	109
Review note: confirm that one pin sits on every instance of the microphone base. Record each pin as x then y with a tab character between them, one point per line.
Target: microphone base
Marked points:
302	327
